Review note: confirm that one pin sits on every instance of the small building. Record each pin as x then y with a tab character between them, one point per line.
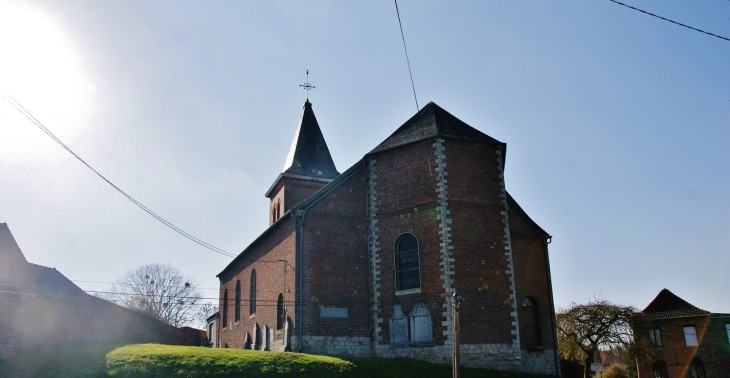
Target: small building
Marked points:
688	341
365	262
211	331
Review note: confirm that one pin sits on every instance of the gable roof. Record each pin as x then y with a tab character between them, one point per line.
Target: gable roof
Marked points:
13	265
667	305
309	155
18	275
429	122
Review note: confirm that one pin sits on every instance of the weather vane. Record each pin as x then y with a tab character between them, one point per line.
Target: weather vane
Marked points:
307	87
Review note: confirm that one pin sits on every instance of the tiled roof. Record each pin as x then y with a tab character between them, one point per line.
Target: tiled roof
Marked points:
309	155
432	121
667	305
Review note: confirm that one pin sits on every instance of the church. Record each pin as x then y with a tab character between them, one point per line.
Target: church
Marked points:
365	262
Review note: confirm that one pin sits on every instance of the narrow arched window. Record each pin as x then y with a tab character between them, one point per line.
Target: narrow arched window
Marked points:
237	302
660	370
225	308
696	369
252	294
531	323
407	265
280	311
278	209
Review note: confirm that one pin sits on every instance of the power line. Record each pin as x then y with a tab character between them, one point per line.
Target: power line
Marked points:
406	50
666	19
28	115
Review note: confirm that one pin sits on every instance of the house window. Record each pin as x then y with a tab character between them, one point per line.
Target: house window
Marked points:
237	302
690	336
655	336
727	329
407	270
660	370
531	323
225	308
696	369
280	311
252	294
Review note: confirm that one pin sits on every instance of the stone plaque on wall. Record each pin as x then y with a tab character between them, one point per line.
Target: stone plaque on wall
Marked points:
326	312
421	330
398	328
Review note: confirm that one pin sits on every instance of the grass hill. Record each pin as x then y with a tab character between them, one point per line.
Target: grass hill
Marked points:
154	360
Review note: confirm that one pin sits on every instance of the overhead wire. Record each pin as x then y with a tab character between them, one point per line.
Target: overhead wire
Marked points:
666	19
406	50
35	121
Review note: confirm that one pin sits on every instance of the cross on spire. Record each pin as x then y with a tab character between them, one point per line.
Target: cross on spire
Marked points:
307	87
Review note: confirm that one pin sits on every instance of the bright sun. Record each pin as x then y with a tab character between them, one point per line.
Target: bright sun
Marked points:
40	68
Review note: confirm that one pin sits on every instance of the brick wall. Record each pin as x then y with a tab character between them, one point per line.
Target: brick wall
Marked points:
297	190
335	266
713	349
273	277
31	319
483	268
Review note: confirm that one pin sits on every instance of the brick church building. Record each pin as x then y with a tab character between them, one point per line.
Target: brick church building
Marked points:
364	262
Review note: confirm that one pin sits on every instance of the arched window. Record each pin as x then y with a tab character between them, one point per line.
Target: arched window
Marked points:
660	370
531	323
407	269
237	302
252	294
225	308
696	369
278	208
280	311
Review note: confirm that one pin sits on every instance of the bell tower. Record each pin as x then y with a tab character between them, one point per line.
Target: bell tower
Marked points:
308	167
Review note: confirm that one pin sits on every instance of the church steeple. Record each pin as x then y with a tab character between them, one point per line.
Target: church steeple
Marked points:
309	155
308	167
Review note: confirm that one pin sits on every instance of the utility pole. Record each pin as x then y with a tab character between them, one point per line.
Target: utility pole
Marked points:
455	331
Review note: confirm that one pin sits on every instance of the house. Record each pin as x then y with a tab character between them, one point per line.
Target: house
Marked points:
603	360
40	306
688	341
365	262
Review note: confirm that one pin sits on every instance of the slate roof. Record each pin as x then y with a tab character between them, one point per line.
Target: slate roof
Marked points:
667	305
309	155
429	122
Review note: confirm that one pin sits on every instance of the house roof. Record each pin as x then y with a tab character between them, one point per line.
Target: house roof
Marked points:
18	275
431	121
309	155
667	305
49	280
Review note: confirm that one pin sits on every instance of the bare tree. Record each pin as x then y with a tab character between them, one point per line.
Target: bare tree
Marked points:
204	311
161	291
584	329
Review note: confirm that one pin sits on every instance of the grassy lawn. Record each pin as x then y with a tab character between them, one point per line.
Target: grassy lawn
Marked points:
154	360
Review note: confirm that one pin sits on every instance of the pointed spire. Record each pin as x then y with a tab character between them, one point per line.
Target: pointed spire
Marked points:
309	155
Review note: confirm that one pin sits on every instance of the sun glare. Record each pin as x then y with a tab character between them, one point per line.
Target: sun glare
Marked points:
40	68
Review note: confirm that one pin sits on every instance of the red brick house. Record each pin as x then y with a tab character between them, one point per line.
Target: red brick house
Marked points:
365	262
688	341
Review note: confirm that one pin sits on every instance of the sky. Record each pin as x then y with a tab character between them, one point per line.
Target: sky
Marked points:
617	125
